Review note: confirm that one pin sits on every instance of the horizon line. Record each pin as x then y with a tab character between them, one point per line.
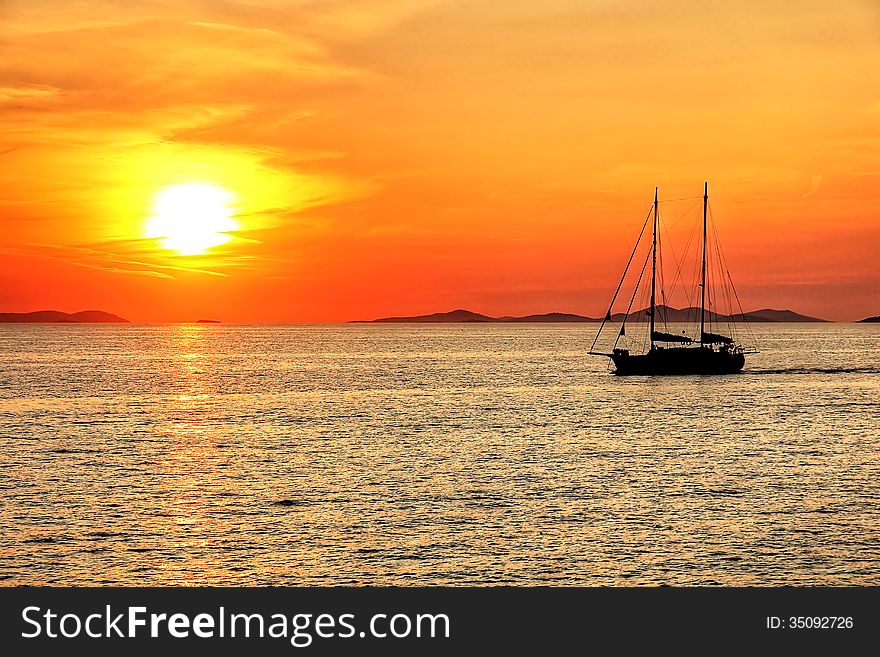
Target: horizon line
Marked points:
388	319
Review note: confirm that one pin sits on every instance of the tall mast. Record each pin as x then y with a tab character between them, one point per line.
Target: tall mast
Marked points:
703	281
654	270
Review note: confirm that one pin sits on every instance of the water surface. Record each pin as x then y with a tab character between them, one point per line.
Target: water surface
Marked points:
431	454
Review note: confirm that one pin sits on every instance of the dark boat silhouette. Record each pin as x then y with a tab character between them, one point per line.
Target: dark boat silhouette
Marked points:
671	353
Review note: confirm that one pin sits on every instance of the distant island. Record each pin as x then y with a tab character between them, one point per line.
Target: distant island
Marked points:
869	320
667	313
207	321
58	317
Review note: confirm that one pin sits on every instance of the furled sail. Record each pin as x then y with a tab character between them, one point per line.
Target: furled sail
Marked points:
715	338
659	336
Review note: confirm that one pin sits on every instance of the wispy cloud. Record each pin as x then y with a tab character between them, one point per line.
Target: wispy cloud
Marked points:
27	94
815	183
98	257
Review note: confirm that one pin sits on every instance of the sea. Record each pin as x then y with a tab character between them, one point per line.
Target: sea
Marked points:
456	454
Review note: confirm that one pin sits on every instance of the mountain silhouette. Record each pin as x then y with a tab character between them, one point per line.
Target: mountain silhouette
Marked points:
58	317
664	313
454	316
548	318
692	314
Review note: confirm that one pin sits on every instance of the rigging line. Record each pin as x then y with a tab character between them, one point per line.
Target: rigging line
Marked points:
711	298
683	198
710	304
751	336
665	311
749	333
694	292
660	275
724	288
644	297
725	293
680	261
645	334
689	292
635	291
716	262
683	214
722	265
620	284
665	304
693	306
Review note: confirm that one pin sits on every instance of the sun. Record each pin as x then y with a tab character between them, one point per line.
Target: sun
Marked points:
192	218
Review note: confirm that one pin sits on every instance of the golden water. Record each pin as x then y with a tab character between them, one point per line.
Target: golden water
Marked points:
431	454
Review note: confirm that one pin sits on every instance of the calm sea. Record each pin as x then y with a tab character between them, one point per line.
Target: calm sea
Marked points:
432	454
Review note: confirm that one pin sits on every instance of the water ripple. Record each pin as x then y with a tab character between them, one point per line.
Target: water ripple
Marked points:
431	455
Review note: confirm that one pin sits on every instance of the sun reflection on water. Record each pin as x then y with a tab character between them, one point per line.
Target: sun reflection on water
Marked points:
198	454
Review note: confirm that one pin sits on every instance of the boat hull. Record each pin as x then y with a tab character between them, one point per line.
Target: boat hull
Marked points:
697	360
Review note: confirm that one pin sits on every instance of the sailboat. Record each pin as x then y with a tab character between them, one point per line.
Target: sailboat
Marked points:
666	352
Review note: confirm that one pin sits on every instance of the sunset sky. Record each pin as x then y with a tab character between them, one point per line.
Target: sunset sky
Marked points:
377	157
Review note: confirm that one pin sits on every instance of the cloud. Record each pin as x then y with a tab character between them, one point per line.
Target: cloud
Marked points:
109	100
815	183
105	257
27	94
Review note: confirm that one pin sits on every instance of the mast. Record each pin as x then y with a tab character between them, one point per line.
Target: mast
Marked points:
703	279
654	270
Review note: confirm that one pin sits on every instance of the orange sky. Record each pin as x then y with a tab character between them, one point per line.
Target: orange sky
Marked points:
410	156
